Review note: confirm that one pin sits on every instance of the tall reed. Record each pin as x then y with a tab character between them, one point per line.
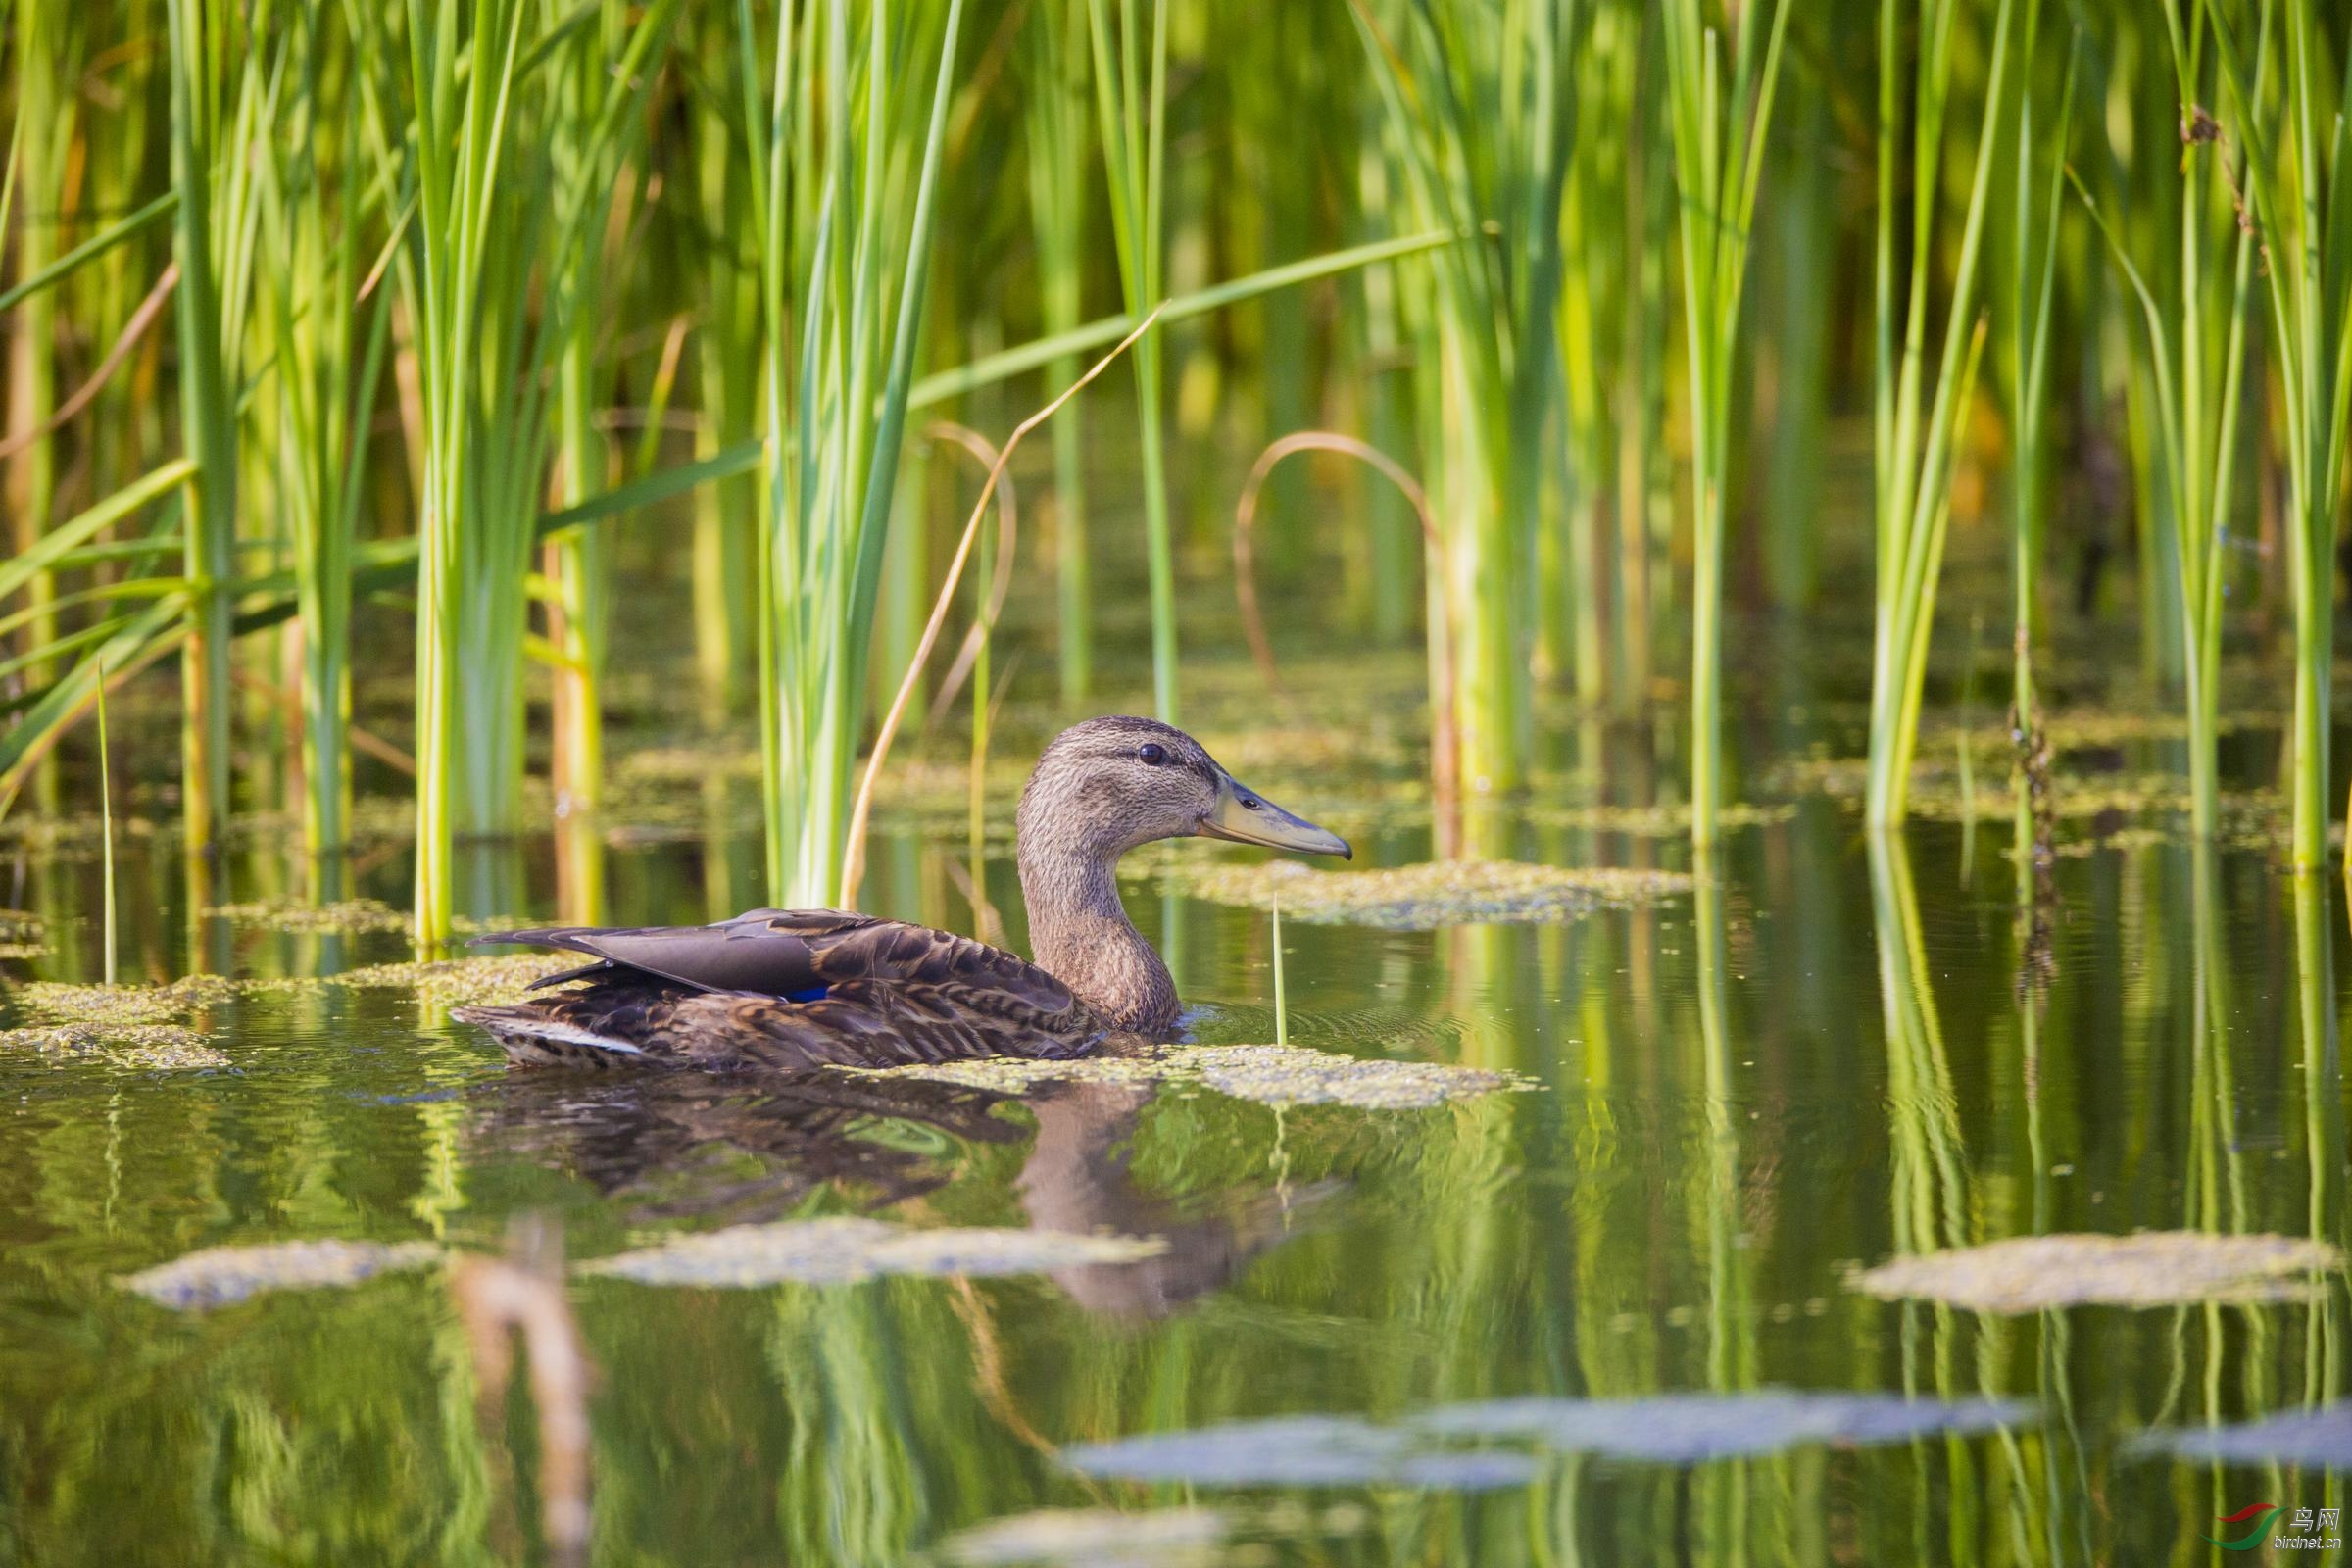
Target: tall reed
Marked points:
1484	111
2032	285
1916	450
46	60
1719	158
488	211
589	176
1055	119
2299	188
1599	283
325	371
454	271
207	414
2199	373
1131	99
843	217
106	829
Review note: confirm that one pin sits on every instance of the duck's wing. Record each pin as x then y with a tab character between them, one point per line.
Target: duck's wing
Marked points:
778	951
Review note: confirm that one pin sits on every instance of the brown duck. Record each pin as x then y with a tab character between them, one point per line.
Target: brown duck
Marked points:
801	988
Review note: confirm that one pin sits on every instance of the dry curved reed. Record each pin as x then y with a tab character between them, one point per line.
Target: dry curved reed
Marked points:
1009	534
853	870
1443	761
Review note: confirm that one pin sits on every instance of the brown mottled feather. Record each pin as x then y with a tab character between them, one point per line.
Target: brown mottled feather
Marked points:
895	994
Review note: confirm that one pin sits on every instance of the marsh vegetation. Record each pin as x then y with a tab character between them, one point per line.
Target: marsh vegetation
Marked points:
466	462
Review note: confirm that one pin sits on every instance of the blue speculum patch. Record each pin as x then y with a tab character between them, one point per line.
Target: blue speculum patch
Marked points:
812	993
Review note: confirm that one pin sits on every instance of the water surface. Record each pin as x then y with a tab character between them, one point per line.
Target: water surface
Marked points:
1841	1051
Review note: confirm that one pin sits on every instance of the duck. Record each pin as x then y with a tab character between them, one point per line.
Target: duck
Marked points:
794	989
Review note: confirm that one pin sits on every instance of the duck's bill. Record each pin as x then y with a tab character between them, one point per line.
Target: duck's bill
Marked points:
1245	817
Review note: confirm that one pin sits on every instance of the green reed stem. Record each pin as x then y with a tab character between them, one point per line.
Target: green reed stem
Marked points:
47	60
1131	99
1915	449
1482	114
105	825
208	421
1719	160
2301	202
1282	1006
2197	401
839	233
325	396
2033	272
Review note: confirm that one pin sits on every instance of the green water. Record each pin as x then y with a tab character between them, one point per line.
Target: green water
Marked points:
1741	1096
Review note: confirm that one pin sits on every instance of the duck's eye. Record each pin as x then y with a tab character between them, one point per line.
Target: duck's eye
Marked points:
1150	753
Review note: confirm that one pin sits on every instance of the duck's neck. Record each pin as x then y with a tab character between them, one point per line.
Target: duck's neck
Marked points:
1081	935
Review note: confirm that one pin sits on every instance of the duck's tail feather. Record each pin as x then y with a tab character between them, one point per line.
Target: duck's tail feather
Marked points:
530	1036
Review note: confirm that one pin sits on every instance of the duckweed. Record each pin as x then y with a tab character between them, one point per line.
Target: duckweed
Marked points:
149	1047
1291	1075
1014	1075
117	1007
843	1249
296	918
1422	897
2320	1440
1694	1428
142	1027
220	1275
1300	1450
463	982
1271	1075
2153	1268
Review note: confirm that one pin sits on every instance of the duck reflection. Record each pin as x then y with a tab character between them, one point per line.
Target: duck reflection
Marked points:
747	1150
670	1145
1076	1181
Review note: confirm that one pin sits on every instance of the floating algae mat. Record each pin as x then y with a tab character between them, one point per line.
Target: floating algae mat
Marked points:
1301	1450
1291	1075
1693	1428
1441	893
2153	1268
287	915
1162	1538
146	1026
220	1275
462	982
131	1027
841	1250
149	1047
1425	1450
1271	1075
2321	1438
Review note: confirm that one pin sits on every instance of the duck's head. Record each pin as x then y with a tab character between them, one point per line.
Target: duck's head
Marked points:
1107	785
